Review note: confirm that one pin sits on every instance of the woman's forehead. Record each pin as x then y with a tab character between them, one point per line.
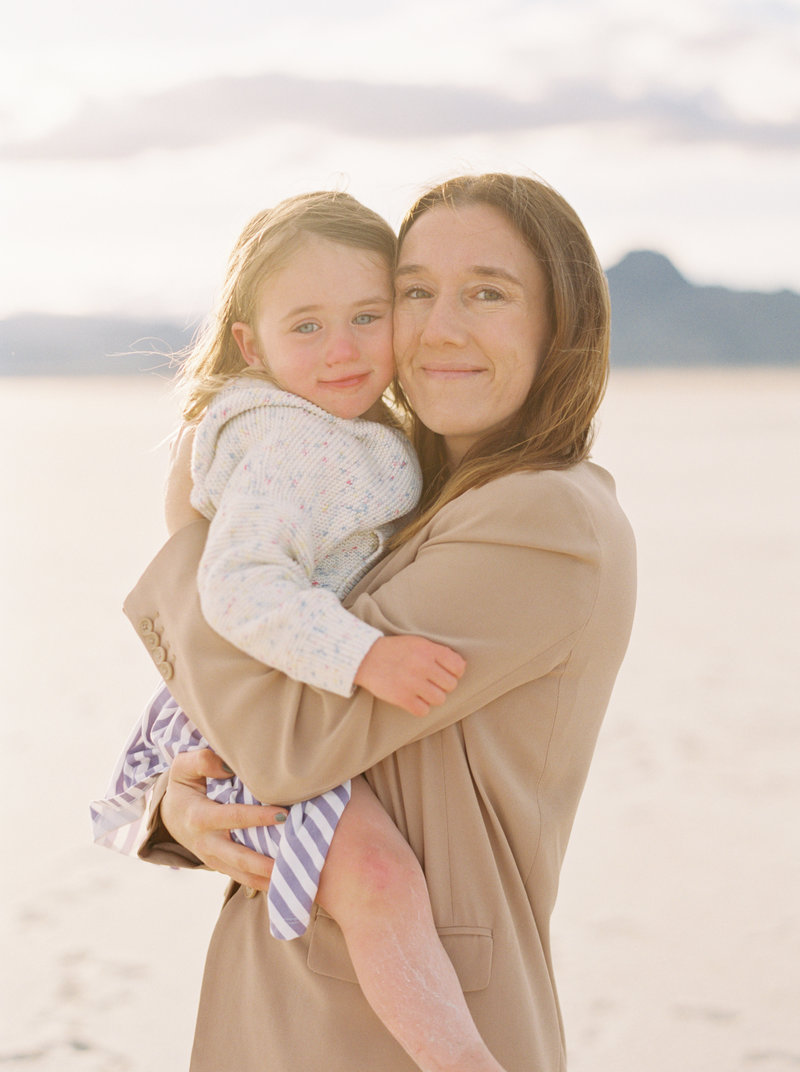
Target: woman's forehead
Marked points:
476	237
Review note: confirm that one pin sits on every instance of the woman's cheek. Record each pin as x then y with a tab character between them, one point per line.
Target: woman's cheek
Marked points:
404	330
402	362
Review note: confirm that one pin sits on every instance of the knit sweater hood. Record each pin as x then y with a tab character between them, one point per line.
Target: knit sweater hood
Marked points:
234	422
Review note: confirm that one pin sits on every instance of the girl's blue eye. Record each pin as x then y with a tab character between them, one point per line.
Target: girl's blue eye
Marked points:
308	328
364	318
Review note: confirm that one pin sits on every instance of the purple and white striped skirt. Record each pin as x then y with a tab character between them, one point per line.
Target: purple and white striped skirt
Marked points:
299	846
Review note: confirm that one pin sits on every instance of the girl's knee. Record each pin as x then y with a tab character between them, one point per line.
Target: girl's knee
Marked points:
387	868
368	874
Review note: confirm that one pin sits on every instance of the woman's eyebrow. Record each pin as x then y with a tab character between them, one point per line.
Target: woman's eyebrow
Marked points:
407	269
495	273
475	269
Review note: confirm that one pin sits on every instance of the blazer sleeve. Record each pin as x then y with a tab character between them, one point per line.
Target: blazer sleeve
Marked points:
507	575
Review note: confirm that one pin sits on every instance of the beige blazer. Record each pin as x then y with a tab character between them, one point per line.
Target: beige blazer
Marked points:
532	579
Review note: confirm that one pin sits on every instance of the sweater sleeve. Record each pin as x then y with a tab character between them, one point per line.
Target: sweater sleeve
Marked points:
256	588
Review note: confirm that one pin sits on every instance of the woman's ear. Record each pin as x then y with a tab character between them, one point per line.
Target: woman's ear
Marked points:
247	342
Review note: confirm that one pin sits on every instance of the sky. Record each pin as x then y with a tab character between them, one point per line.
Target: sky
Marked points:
136	140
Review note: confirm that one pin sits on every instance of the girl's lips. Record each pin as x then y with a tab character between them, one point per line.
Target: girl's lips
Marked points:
346	381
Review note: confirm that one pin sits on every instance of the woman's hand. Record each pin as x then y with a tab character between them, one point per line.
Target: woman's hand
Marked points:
203	826
178	509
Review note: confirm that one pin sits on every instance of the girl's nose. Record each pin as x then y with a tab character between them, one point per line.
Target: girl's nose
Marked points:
342	348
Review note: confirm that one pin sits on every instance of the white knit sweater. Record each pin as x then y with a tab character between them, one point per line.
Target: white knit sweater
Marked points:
301	505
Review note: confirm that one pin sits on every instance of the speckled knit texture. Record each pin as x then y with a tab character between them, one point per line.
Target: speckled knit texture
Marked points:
301	505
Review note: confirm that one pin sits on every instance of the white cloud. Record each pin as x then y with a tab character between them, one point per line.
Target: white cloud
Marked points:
218	110
134	142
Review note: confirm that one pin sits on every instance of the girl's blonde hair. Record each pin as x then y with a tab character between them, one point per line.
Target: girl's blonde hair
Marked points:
264	247
554	426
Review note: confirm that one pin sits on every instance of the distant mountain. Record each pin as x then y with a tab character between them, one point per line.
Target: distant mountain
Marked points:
658	319
42	345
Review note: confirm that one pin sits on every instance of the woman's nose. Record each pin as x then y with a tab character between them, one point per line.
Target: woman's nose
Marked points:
444	323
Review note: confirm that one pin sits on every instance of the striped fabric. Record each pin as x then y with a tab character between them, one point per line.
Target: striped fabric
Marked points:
299	846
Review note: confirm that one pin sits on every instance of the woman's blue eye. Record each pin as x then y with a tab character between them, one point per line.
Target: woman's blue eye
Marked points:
489	294
416	292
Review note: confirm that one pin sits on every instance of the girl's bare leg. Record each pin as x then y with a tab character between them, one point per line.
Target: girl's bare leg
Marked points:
373	886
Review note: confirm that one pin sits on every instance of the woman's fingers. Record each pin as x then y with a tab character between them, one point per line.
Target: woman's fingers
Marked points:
203	826
239	863
241	816
192	767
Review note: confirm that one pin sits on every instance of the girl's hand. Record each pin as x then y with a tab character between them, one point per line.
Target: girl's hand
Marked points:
178	509
203	826
410	672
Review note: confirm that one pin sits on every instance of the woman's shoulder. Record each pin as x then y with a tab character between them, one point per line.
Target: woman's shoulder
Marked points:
529	505
527	488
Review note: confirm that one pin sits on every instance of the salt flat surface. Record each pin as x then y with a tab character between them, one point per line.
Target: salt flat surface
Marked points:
677	934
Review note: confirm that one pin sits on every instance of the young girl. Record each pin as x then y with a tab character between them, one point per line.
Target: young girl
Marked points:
303	493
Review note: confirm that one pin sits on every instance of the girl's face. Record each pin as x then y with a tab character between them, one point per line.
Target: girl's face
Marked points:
470	322
323	327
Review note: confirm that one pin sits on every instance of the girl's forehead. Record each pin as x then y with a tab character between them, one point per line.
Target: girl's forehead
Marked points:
325	273
302	264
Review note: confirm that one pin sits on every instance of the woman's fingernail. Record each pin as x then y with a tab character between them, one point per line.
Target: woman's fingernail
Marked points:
281	817
227	768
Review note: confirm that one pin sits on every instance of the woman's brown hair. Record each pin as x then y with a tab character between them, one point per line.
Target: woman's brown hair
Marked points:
553	428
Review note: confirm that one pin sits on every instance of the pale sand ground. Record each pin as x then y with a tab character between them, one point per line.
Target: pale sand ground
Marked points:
678	927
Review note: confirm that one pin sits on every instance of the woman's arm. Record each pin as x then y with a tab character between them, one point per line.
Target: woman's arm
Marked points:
178	510
506	575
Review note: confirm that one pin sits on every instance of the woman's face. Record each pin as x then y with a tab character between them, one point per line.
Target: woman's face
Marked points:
470	322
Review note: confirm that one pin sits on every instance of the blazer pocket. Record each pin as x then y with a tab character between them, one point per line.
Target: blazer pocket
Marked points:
469	948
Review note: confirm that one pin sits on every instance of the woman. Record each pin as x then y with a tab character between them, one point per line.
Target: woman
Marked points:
522	561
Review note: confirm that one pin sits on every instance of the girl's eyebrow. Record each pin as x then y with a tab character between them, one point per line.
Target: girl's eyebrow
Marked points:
301	310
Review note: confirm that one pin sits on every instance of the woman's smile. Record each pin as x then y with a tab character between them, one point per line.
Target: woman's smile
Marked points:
451	372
